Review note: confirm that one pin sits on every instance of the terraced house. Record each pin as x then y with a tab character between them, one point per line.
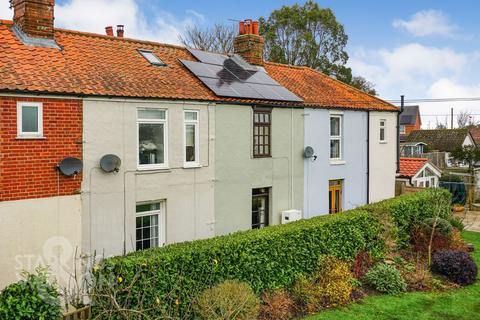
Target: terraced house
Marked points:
111	145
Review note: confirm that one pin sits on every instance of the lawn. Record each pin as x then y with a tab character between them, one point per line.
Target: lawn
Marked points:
455	304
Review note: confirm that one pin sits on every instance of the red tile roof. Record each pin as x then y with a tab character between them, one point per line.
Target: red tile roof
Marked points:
320	90
409	167
475	132
92	64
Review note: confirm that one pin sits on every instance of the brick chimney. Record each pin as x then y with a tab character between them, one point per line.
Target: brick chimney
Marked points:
34	17
249	44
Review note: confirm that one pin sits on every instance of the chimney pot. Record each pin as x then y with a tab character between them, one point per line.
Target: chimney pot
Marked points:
34	17
120	30
249	44
109	31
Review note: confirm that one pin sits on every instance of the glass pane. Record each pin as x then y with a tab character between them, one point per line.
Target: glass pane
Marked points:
190	115
151	143
337	200
334	126
29	119
151	114
330	201
382	134
148	207
334	149
190	143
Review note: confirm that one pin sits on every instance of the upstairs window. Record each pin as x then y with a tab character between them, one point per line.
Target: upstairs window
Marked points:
152	138
383	137
402	129
29	120
262	121
335	137
191	138
152	58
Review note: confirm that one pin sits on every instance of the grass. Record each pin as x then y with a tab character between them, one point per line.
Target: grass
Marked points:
460	304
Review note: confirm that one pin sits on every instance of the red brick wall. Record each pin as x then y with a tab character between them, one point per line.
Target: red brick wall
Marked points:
27	167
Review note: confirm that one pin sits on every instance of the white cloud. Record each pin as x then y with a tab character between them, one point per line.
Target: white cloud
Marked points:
95	15
408	69
427	23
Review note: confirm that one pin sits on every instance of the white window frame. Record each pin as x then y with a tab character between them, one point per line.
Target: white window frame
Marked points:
402	129
339	137
384	128
30	135
161	231
155	166
196	123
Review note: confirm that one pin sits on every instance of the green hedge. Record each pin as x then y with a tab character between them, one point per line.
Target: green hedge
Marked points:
412	208
268	258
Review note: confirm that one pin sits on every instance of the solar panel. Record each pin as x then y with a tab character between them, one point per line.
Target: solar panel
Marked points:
234	77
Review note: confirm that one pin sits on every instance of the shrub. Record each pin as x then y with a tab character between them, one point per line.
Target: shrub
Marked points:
411	209
266	259
329	286
418	277
31	298
457	223
442	226
230	300
277	305
442	236
457	266
363	262
386	278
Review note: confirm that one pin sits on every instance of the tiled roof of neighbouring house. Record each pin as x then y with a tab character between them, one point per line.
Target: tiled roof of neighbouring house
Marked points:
92	64
439	139
409	167
409	115
475	132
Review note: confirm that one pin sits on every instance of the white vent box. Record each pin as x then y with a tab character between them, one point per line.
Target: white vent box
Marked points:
291	215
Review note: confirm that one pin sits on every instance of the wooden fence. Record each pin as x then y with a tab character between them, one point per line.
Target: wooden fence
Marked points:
78	314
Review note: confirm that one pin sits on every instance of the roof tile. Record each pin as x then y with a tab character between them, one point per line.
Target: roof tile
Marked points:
409	167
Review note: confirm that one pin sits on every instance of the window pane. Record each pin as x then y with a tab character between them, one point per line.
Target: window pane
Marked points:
148	207
147	232
29	119
334	149
151	143
190	143
334	126
190	115
382	134
151	114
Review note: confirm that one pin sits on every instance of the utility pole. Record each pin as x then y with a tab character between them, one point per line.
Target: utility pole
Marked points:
451	118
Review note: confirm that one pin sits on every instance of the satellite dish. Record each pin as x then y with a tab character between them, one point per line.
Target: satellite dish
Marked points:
309	152
110	163
70	166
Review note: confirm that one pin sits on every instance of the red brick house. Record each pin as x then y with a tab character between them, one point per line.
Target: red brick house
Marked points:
409	120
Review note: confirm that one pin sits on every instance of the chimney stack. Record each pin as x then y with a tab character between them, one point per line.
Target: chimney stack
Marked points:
109	31
249	44
34	17
120	30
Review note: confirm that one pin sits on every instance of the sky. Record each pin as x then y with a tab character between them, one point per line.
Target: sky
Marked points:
421	49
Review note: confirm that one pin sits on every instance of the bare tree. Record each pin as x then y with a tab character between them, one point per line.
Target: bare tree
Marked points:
217	38
441	125
464	118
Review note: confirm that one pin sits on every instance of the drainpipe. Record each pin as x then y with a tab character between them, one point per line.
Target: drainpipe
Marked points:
402	105
368	156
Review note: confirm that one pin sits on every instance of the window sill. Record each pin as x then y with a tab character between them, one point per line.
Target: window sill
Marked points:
162	168
337	162
383	142
191	165
261	157
30	138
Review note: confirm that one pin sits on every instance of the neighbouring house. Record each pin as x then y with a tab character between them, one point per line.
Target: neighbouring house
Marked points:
409	120
436	144
111	145
417	172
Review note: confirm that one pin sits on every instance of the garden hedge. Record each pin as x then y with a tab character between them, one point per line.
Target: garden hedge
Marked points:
266	259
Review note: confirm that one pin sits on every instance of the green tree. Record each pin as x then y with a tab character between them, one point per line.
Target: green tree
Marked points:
307	35
467	154
363	84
